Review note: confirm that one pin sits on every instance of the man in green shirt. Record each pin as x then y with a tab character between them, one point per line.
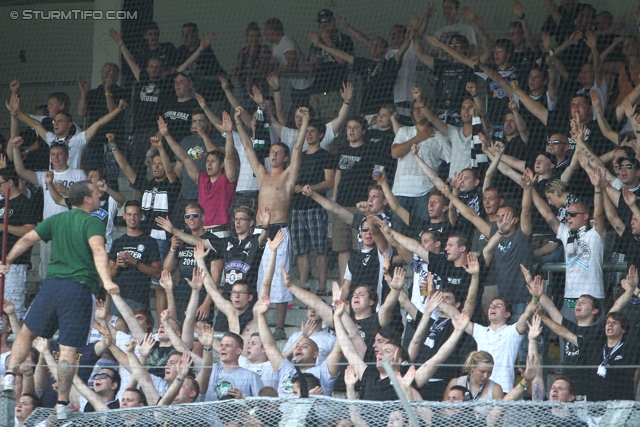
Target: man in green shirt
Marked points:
66	300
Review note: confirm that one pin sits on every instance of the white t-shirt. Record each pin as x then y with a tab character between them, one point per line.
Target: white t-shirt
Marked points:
445	33
290	135
409	180
76	145
68	178
246	179
264	369
324	339
503	345
406	81
288	44
112	209
320	372
584	258
460	150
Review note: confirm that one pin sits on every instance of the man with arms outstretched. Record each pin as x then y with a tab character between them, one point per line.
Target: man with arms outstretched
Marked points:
66	299
276	189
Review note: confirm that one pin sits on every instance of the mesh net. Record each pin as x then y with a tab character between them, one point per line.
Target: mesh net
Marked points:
333	412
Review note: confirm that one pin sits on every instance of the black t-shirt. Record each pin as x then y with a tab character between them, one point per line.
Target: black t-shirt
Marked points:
158	359
158	199
356	165
524	60
573	356
385	139
134	284
186	264
418	225
312	172
149	96
618	382
222	323
452	78
446	274
379	80
473	199
367	328
497	97
329	76
178	117
241	260
567	24
97	107
22	211
376	389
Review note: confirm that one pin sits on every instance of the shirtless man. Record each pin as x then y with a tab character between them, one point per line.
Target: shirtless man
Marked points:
276	189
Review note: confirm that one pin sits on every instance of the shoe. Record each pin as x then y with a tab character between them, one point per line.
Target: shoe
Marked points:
63	412
279	334
321	293
9	381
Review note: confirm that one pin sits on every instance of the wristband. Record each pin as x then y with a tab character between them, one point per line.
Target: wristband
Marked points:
207	349
277	90
534	299
14	115
137	263
172	250
421	106
179	378
552	53
27	374
501	233
120	45
113	321
597	192
107	94
522	17
345	102
113	147
523	386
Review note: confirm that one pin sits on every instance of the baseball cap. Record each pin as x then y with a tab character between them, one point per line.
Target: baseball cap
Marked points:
325	15
186	74
552	158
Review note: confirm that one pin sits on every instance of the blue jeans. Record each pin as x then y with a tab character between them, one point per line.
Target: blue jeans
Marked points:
418	206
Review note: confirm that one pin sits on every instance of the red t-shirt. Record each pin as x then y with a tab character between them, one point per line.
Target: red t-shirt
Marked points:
215	198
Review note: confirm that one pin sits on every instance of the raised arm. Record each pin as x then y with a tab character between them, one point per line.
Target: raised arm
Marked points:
329	205
296	153
535	286
309	299
536	108
630	286
205	41
256	165
135	68
342	339
603	123
141	374
274	354
426	371
426	169
330	50
385	313
178	150
597	177
405	45
428	113
483	226
359	35
90	133
544	208
454	53
121	159
560	330
182	370
430	304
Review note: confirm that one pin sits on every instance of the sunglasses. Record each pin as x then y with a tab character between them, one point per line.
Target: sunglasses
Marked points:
103	376
627	166
573	214
364	229
554	142
192	215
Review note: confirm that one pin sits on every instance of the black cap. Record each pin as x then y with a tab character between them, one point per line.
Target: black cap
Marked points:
552	158
325	15
185	74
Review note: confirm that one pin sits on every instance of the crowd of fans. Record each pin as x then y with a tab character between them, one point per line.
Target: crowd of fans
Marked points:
523	154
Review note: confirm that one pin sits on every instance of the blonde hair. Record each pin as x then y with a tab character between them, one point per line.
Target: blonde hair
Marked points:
474	358
556	187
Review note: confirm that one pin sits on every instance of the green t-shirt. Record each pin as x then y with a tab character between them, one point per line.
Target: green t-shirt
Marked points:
71	255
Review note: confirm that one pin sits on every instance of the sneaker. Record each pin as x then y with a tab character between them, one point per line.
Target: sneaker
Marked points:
65	411
279	334
9	381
